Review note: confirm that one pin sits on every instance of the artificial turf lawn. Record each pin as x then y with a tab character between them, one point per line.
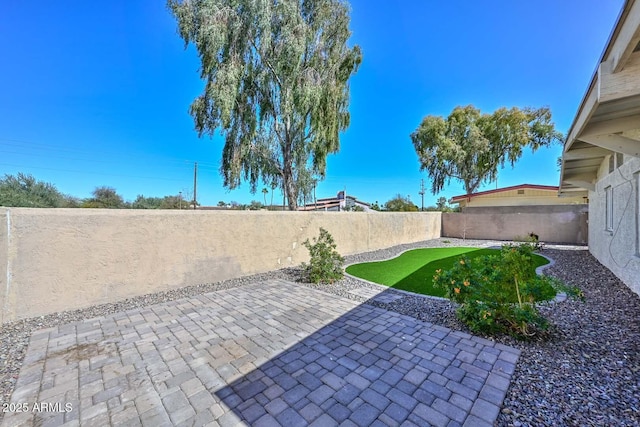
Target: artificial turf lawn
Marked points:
414	270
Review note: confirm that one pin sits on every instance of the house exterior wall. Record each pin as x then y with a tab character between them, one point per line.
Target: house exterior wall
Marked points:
61	259
531	197
617	249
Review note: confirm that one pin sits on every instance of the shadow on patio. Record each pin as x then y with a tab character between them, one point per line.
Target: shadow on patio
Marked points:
371	364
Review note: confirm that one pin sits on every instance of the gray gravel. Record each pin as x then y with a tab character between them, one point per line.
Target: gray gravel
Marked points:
586	372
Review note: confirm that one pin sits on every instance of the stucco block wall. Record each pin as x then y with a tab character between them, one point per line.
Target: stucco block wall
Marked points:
60	259
557	224
4	259
619	249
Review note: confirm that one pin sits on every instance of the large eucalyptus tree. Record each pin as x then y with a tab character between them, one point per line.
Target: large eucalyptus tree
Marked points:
470	146
276	78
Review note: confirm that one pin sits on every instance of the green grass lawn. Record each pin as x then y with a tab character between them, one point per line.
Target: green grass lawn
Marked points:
414	270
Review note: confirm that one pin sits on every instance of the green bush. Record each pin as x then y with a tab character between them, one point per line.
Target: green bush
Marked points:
498	294
325	264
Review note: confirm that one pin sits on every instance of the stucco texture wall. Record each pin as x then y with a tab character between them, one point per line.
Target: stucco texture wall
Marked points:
59	259
557	224
530	198
618	249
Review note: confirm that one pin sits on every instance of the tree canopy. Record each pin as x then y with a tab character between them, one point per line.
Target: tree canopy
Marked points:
23	190
106	198
400	204
471	146
166	202
276	84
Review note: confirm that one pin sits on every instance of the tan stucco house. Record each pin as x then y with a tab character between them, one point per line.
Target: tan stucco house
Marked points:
601	157
517	195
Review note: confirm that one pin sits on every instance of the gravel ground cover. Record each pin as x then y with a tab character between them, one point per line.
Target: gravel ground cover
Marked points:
585	373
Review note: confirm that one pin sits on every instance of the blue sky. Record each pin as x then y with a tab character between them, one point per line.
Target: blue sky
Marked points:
97	93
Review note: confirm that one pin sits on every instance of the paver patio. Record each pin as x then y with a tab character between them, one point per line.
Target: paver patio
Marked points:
265	354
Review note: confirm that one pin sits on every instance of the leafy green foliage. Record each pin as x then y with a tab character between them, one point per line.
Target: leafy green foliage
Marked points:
105	198
255	205
276	84
471	146
166	202
23	190
325	264
498	294
400	204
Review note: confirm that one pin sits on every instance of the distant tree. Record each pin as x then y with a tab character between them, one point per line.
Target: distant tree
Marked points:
375	206
106	198
142	202
442	204
222	204
23	190
400	204
470	146
172	202
264	194
276	76
166	202
255	205
70	202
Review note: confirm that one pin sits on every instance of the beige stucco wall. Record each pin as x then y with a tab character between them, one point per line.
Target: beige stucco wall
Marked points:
4	259
557	224
531	197
618	250
61	259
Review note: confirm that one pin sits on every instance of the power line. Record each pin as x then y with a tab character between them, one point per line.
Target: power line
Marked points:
55	149
92	173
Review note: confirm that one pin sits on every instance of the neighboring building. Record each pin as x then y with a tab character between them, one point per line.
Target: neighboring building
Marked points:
601	158
336	204
517	195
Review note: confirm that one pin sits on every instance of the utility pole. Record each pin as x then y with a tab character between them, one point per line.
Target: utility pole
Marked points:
421	192
195	184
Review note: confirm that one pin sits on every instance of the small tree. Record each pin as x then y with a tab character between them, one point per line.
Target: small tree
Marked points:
325	264
172	202
442	204
105	197
142	202
255	205
400	204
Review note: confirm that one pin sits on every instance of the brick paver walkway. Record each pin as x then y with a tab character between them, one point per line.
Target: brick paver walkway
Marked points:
265	354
